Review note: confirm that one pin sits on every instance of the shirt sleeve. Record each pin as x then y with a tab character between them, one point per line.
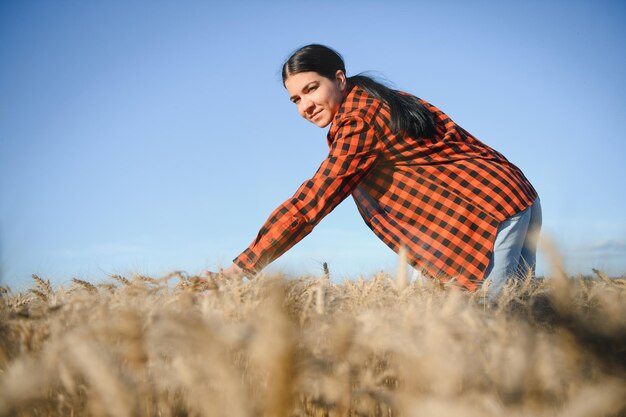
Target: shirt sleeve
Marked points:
352	154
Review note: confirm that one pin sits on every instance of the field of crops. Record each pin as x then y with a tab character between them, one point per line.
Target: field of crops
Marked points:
376	346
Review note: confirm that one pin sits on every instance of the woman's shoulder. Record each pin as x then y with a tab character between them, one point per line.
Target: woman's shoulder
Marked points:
359	104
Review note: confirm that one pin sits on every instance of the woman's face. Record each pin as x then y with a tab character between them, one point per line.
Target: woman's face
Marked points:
317	97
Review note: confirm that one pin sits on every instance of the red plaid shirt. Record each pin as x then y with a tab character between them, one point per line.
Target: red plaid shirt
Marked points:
442	197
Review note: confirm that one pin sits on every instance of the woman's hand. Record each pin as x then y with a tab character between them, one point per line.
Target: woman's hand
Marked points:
232	271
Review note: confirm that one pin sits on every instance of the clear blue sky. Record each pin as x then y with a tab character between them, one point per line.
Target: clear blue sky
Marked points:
156	136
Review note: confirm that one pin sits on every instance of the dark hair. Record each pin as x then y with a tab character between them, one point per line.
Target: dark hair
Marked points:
407	113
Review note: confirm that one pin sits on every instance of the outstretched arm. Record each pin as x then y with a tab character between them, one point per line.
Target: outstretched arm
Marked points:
352	154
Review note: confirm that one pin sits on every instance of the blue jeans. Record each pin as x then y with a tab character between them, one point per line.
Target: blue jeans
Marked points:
515	248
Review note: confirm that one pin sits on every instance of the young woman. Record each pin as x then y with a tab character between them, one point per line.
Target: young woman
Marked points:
419	180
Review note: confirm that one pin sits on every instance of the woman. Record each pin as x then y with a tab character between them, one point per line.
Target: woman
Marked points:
419	180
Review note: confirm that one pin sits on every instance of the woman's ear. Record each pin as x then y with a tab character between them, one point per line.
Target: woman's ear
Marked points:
341	79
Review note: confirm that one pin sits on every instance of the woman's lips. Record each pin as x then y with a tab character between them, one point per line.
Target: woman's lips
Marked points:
314	115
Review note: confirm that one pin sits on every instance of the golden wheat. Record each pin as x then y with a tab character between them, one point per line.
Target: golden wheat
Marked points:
384	346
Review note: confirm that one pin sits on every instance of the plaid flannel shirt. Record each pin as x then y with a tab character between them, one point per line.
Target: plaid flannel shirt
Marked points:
443	198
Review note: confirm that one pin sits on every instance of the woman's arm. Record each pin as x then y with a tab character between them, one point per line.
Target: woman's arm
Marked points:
352	154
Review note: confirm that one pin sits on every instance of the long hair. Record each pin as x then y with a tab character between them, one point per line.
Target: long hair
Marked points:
408	115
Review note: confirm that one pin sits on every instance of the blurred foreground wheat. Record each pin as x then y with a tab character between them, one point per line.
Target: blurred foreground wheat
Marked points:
178	346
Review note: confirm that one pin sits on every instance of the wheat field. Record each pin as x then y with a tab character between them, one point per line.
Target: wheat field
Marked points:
382	346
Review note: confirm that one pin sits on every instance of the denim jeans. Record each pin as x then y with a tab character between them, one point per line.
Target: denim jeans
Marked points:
515	249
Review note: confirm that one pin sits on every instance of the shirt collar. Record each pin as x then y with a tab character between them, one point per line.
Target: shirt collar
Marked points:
347	105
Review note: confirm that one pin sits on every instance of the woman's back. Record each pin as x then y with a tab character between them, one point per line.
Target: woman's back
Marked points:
443	197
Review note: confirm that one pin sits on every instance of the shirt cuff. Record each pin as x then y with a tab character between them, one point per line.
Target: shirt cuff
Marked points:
247	262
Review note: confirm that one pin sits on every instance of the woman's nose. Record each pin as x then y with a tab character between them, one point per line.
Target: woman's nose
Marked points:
307	106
